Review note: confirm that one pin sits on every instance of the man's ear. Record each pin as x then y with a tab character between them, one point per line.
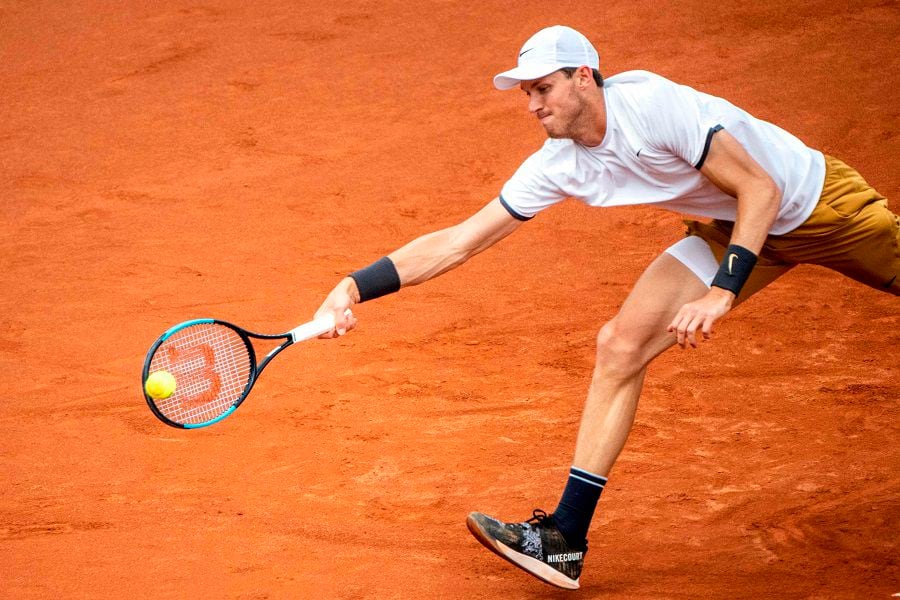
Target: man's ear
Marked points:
585	76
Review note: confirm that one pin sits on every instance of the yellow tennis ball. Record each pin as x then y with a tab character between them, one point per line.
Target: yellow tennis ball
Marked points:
160	385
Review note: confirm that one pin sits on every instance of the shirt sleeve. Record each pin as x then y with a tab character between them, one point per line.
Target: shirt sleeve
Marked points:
530	190
680	121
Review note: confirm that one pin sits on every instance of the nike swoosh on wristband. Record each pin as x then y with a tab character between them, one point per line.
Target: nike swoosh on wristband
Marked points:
731	258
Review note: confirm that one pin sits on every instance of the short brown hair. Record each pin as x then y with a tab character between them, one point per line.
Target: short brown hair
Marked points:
598	78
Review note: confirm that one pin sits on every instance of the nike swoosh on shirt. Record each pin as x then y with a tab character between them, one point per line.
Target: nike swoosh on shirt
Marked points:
890	283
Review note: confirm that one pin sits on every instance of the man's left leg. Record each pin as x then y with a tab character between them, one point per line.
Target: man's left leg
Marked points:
851	230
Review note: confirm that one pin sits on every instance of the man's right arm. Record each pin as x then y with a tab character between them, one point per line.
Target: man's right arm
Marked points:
428	256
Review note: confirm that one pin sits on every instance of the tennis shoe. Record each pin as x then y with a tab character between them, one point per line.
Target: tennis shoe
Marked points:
536	546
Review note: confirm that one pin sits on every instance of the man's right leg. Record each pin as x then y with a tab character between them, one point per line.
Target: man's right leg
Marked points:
626	345
637	335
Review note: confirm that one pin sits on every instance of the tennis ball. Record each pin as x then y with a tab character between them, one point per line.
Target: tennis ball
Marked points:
160	385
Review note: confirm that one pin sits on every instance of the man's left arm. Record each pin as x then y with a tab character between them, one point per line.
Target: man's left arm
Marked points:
731	168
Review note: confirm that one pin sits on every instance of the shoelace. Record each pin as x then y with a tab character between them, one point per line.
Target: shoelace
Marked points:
538	516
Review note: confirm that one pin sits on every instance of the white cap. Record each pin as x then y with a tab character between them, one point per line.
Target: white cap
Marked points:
549	50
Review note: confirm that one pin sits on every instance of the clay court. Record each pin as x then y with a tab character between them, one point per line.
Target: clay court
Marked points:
173	160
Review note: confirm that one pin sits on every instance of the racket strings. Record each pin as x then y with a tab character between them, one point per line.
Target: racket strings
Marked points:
212	367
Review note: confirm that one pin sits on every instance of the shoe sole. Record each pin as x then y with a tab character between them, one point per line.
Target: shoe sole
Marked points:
530	565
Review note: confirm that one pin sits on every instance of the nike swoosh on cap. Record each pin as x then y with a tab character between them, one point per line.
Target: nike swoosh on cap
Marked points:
525	52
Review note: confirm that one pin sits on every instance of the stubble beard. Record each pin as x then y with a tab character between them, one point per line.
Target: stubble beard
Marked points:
576	123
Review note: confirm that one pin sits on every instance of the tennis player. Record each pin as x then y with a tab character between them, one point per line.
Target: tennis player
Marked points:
637	138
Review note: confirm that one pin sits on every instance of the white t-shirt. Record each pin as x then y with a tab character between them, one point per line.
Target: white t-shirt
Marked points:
657	137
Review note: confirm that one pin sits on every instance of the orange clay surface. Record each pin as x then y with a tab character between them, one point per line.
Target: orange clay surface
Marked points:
161	161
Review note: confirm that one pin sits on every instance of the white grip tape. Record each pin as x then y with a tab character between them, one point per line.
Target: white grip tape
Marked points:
315	328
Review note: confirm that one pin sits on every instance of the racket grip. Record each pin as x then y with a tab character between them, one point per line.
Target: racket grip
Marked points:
314	328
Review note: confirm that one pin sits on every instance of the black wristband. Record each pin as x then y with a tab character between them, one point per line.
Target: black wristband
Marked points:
735	269
376	280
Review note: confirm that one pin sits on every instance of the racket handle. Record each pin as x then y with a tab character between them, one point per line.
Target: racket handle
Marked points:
314	328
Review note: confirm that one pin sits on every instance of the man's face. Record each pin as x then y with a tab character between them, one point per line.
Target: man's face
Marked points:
556	101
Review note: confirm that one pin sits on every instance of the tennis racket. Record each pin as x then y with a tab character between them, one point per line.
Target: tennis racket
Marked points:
214	364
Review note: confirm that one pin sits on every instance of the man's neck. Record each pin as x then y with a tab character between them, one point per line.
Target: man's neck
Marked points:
595	122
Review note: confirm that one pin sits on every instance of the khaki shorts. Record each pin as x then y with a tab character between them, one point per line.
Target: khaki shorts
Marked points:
851	231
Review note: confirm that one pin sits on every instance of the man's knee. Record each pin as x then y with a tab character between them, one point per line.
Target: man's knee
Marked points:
620	353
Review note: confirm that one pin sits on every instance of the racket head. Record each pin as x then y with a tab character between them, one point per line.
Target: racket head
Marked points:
214	366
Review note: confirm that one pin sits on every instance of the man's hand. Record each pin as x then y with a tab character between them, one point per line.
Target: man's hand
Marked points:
338	303
700	314
731	169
